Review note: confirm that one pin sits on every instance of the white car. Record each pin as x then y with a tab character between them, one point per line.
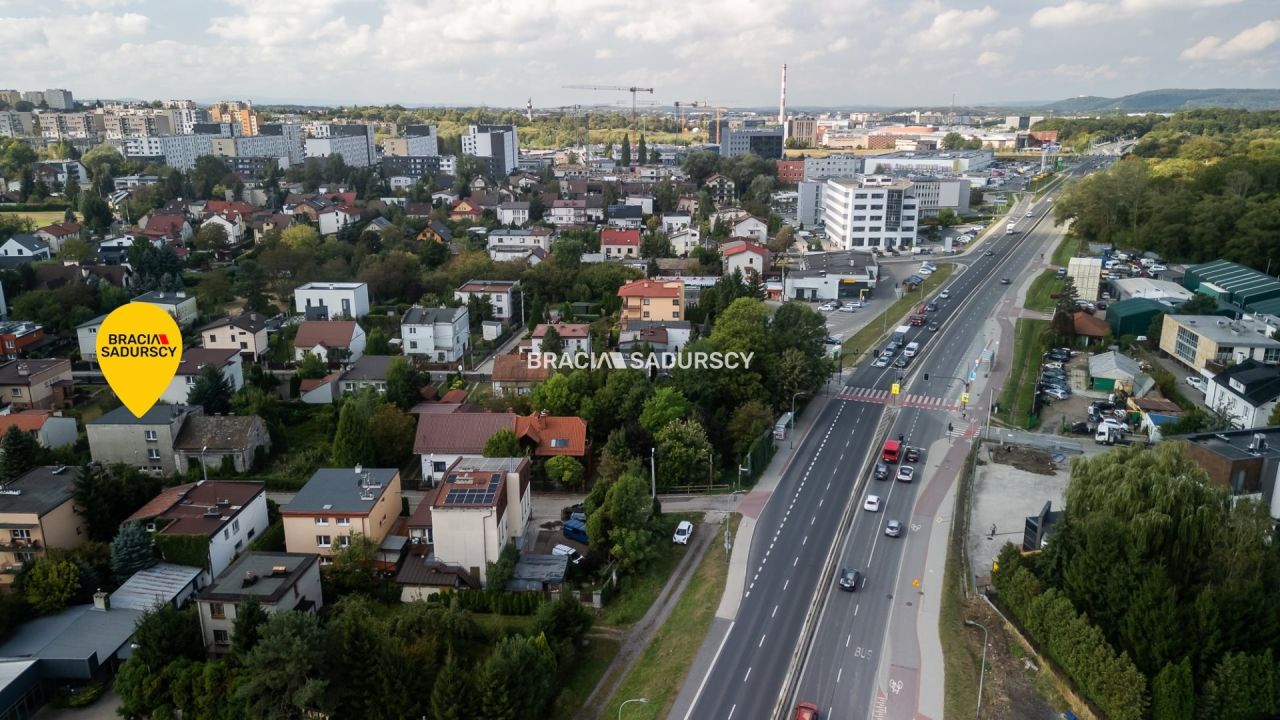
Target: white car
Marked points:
872	503
574	556
847	308
1112	422
826	307
856	304
944	294
683	531
924	272
1198	383
882	361
1157	268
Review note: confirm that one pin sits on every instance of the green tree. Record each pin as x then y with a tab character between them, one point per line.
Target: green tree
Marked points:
51	584
749	421
1199	304
404	384
1275	416
556	395
22	452
355	643
666	404
285	675
567	472
94	213
952	141
564	622
250	619
642	152
498	572
515	682
552	343
165	634
392	431
211	391
453	696
622	522
352	444
625	157
105	496
211	237
131	551
301	237
208	172
312	367
503	443
683	454
1173	693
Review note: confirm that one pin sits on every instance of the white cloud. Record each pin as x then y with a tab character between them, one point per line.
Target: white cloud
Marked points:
992	58
1011	37
1249	41
1076	12
1135	60
1137	6
953	28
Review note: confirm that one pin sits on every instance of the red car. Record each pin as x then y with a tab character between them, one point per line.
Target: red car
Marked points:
918	320
806	711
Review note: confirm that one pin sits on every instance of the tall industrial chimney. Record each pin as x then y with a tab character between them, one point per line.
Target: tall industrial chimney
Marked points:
782	101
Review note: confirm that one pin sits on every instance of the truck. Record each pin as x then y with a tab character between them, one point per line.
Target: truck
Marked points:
891	450
917	320
1010	228
900	335
911	349
1111	435
576	529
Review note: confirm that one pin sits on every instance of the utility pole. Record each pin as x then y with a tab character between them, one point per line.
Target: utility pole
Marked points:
653	472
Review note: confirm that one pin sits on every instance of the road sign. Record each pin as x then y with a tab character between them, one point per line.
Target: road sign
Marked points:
915	582
964	398
972	376
895	389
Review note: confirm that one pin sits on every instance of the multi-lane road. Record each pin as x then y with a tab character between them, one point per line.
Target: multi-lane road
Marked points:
844	660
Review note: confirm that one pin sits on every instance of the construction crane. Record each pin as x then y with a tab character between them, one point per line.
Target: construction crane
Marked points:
680	106
620	88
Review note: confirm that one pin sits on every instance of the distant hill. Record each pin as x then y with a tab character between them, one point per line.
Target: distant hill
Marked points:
1172	100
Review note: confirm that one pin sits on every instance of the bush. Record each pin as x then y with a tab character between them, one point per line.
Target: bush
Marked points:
190	550
271	540
499	602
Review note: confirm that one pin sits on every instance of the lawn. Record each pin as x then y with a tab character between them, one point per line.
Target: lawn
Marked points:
868	338
960	654
582	675
635	593
41	218
1020	386
500	626
661	669
1066	250
1043	288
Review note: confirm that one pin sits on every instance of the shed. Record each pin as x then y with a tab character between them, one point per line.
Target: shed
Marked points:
1134	316
535	573
1110	370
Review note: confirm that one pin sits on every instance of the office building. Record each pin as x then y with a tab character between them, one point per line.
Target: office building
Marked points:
765	142
932	162
870	211
809	203
832	166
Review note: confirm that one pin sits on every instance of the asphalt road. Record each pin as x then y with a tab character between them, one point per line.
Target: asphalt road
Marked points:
800	523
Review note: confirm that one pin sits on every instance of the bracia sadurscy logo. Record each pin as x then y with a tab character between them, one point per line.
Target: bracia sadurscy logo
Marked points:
137	345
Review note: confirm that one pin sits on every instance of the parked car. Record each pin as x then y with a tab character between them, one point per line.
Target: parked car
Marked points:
683	531
831	340
569	511
827	307
1198	383
1079	428
856	304
893	528
1052	365
872	503
906	473
847	308
574	556
1058	393
849	580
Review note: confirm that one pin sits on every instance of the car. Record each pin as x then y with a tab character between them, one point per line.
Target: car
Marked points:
831	341
1052	365
988	254
1047	385
881	361
872	503
913	454
1056	375
944	294
933	327
1198	383
1031	213
847	308
1100	306
1057	393
1079	428
926	272
1112	422
574	556
906	473
902	362
683	531
849	580
1060	273
569	511
1005	281
931	307
1157	268
827	307
893	528
856	304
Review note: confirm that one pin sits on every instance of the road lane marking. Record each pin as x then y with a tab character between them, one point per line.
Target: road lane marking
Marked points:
855	610
730	715
805	540
744	677
839	674
775	613
848	640
793	562
702	685
762	637
785	584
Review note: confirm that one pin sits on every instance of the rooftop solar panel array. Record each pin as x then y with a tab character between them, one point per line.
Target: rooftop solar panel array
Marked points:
472	494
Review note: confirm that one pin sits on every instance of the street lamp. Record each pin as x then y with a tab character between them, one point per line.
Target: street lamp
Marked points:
983	676
204	469
793	418
624	704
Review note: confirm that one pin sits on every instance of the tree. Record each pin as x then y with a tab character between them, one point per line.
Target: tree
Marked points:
642	152
567	472
1199	304
515	681
51	584
352	444
564	621
1173	693
656	245
211	391
131	551
625	158
552	343
284	675
454	694
94	213
212	237
666	405
749	420
557	395
301	237
952	141
311	367
404	384
250	618
22	452
207	172
391	430
503	444
355	644
76	250
781	241
683	454
105	496
71	191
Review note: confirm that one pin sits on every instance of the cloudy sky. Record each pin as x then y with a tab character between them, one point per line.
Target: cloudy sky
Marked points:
501	52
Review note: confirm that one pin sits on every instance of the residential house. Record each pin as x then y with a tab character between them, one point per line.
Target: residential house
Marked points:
749	227
421	575
567	212
168	227
618	243
331	340
684	241
515	253
673	223
320	391
513	375
37	512
513	213
181	305
436	231
213	440
1197	340
337	503
264	222
443	439
58	233
245	333
162	584
193	362
33	383
594	209
745	257
656	336
722	189
551	436
1089	328
87	338
22	249
482	505
143	442
1246	392
626	216
368	371
276	581
50	428
535	237
17	338
436	335
500	293
1243	461
332	300
229	514
466	209
652	300
576	337
333	219
644	202
232	223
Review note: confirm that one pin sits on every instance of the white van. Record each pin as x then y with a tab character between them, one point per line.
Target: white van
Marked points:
911	349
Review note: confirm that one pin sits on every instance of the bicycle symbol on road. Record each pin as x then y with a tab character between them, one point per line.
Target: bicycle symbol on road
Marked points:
895	686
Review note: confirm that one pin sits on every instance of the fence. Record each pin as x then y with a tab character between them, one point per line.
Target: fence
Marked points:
758	456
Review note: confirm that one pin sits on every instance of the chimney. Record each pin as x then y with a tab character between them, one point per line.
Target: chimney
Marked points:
24	369
782	102
101	601
250	577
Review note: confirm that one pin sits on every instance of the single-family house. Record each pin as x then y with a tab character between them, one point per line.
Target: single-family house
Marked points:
618	243
193	362
482	505
169	227
337	503
22	249
436	335
551	435
675	222
721	189
575	337
466	209
369	371
443	439
1246	392
567	212
181	305
644	202
513	213
652	300
514	375
245	333
87	338
37	383
436	231
668	336
749	227
501	295
214	440
229	514
144	442
683	241
38	512
332	300
745	257
275	581
625	216
331	340
56	234
50	428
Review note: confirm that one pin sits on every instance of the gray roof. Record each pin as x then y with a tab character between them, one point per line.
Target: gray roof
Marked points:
518	205
1237	333
30	242
1113	366
251	321
40	491
157	415
533	572
337	490
268	588
75	634
154	586
417	315
92	323
369	367
160	297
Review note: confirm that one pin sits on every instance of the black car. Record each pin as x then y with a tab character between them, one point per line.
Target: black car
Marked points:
902	362
882	471
831	341
1005	281
931	307
913	454
1079	428
850	579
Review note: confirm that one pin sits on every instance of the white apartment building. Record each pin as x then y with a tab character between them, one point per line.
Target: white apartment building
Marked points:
832	166
335	299
178	151
870	211
809	202
353	142
500	143
435	335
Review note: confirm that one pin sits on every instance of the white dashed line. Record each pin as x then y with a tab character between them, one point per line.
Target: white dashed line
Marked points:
775	613
762	637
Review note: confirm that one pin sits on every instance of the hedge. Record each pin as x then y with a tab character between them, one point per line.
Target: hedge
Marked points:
1110	681
190	550
271	540
495	601
33	207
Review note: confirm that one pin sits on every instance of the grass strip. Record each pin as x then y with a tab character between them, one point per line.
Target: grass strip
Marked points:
1043	288
582	675
637	592
960	653
661	669
1020	387
1066	250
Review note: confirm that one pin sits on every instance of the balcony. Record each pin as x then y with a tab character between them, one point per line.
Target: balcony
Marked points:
20	544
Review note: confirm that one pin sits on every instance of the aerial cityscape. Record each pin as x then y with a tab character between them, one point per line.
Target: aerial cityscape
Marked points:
746	361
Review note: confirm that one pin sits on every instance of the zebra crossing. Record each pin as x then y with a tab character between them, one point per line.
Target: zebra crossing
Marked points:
911	400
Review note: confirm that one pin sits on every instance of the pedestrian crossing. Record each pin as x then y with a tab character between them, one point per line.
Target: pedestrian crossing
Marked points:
911	400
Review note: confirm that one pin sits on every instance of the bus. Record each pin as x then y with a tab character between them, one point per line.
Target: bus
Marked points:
891	450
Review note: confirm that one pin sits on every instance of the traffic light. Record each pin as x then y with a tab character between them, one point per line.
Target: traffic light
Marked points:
950	427
926	377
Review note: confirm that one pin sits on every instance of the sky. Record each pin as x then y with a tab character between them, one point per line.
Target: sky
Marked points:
899	53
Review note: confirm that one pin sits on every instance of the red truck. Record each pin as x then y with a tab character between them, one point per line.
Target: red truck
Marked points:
917	319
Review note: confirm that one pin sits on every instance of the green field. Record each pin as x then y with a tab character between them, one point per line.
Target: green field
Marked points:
1020	386
1039	295
868	338
1066	250
40	219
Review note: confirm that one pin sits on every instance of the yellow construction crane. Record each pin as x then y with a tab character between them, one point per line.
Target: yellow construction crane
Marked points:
620	88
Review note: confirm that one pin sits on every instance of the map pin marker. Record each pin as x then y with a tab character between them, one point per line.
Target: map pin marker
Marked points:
139	348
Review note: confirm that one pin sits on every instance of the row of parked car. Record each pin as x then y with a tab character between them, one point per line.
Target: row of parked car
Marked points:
1053	374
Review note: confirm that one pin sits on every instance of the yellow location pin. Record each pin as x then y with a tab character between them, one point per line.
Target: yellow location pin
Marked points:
139	347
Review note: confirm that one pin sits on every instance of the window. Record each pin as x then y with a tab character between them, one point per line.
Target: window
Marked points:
153	453
1185	343
235	525
217	611
244	346
323	541
646	301
344	522
191	379
17	392
413	344
226	533
344	541
24	557
559	442
213	338
322	521
151	435
437	467
251	533
221	637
